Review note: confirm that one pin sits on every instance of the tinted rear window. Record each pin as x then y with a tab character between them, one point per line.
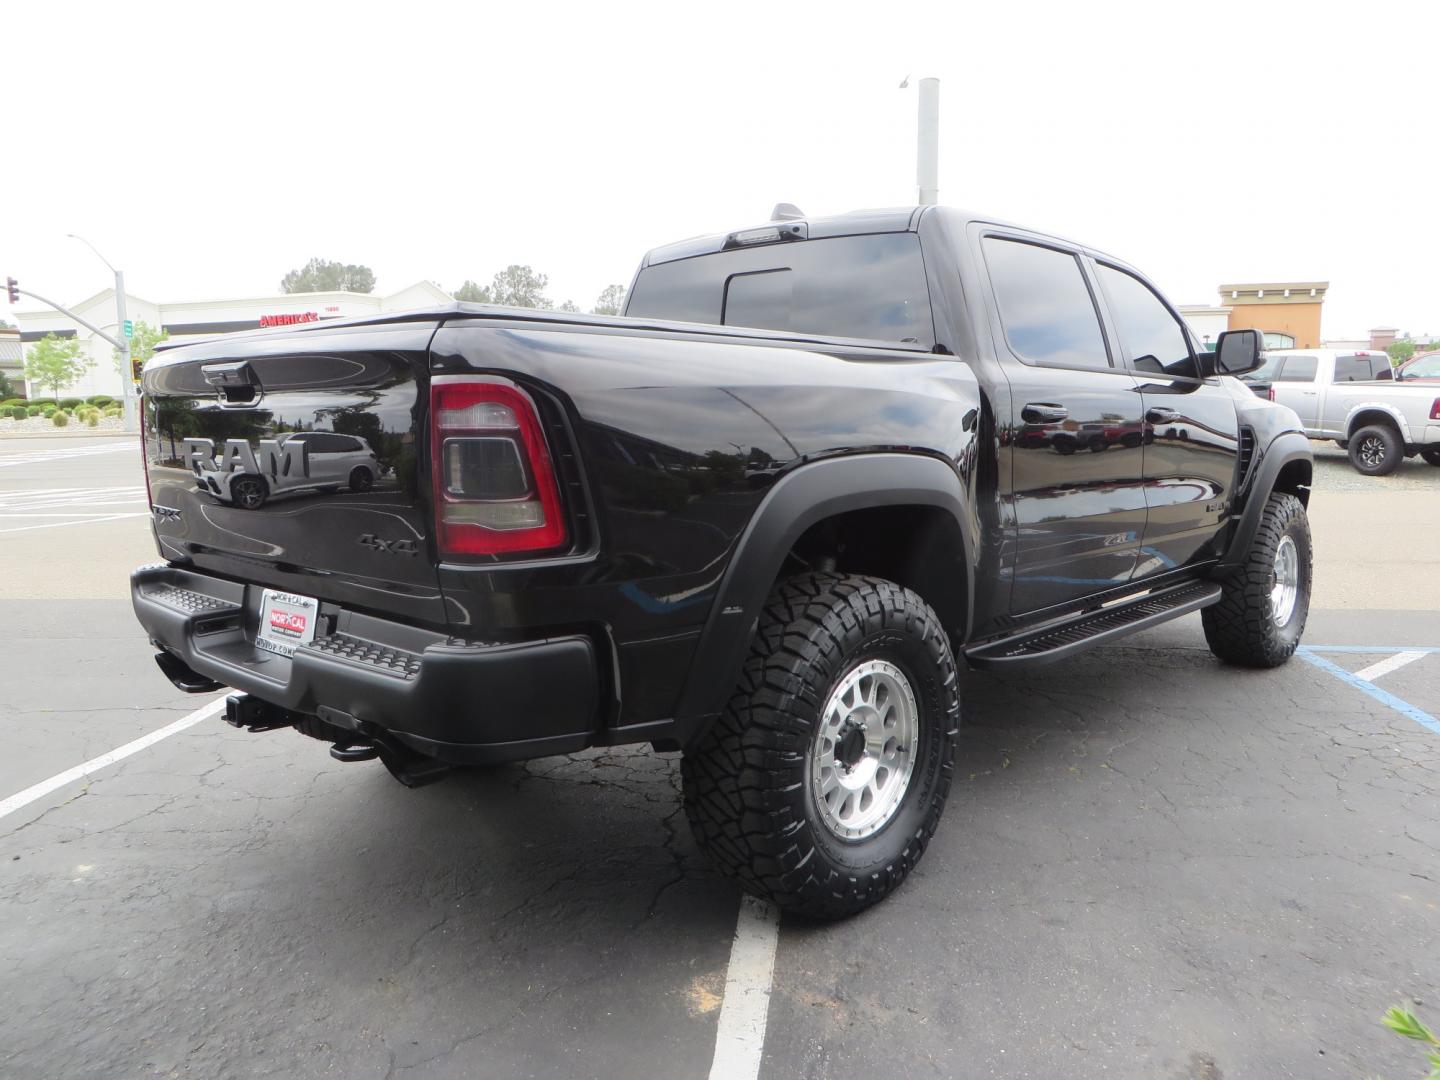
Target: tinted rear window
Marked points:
870	287
1352	369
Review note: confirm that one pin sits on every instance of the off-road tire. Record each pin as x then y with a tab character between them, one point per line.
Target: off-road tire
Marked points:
1364	445
745	784
1431	454
1240	629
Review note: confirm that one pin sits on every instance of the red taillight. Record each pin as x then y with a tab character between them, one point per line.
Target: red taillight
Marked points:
495	487
1435	410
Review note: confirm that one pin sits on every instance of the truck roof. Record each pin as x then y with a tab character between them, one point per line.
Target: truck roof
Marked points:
890	219
854	223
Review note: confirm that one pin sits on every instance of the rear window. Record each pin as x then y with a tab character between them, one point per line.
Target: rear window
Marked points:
1353	369
870	287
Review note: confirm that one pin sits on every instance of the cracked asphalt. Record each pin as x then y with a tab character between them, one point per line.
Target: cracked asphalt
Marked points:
1150	866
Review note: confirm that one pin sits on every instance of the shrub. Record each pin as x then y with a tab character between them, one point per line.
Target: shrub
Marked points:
60	419
70	402
10	403
92	419
100	399
35	410
19	412
112	414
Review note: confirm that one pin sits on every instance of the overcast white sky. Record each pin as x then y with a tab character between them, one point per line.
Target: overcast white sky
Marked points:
209	148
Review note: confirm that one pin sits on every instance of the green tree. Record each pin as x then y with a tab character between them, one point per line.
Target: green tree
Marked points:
56	362
472	293
142	343
318	275
519	286
567	305
612	300
1400	351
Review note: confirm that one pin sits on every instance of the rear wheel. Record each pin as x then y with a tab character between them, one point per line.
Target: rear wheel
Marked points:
1264	603
1431	454
822	782
1376	450
361	479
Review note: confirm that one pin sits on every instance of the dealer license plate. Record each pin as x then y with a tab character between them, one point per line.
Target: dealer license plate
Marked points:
287	621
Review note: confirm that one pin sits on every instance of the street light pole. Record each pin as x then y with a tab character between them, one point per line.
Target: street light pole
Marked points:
927	143
127	376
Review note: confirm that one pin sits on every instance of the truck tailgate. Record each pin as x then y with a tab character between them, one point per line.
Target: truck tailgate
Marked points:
294	460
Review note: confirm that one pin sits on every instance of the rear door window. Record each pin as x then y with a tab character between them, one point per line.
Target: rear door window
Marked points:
1046	309
871	287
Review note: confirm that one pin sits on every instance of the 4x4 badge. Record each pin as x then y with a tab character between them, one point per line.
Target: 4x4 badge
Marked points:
388	547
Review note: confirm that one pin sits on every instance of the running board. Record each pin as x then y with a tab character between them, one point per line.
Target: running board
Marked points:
1057	641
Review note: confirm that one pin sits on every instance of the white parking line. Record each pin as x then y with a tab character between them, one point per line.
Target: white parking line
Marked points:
740	1034
85	521
120	753
1389	664
35	457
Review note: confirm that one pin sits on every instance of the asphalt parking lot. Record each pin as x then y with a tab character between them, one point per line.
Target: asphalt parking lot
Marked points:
1151	865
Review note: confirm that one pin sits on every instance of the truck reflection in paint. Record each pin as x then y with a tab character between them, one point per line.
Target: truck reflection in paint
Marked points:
304	461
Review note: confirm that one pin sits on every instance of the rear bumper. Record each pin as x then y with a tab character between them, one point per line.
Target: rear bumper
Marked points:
462	702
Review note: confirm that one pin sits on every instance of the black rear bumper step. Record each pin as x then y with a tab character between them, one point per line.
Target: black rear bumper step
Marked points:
1057	641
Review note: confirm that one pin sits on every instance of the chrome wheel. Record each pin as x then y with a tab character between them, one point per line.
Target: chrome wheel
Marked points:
1286	587
863	754
1371	451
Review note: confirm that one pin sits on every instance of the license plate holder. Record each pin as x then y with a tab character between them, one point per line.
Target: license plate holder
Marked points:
287	621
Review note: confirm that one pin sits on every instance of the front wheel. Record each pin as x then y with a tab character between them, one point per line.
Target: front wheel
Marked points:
822	782
249	492
1264	602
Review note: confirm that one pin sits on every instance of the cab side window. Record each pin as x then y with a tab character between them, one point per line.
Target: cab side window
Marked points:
1151	336
1298	369
1045	306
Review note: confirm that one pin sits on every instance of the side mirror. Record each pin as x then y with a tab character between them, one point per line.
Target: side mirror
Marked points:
1238	351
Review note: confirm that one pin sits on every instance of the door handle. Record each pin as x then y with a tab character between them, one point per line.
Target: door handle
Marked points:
1041	413
1162	416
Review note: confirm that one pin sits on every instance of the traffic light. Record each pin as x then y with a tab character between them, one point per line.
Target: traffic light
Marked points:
13	288
135	365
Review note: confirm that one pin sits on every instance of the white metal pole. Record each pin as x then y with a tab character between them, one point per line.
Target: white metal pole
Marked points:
127	377
927	143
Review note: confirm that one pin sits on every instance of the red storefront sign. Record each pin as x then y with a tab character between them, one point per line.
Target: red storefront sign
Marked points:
290	320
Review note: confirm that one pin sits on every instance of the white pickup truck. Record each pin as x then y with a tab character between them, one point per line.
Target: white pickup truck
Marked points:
1353	398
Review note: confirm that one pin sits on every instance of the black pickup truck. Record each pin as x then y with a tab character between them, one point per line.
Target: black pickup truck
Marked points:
759	519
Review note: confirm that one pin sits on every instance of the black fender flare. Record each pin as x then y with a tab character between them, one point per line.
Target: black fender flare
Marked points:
1287	447
799	499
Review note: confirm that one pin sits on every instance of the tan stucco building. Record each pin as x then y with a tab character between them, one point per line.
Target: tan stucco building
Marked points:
1287	312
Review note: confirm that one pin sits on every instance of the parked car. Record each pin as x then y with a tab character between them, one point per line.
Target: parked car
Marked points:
1422	367
1354	399
322	461
760	520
